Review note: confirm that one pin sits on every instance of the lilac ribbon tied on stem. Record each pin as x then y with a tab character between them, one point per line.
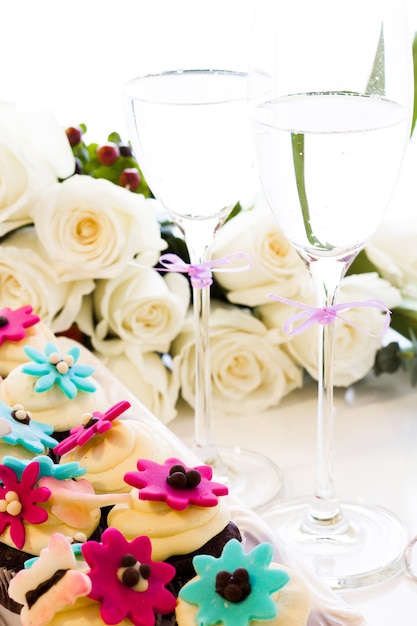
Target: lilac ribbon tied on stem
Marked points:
201	274
328	314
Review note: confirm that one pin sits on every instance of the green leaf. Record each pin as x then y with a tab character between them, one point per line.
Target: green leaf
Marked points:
376	81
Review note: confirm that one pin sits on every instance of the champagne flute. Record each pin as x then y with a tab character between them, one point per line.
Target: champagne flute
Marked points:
191	135
330	91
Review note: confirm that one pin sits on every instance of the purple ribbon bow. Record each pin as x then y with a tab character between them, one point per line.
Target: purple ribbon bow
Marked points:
328	314
201	274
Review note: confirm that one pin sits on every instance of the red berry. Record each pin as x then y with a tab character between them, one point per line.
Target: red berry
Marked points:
74	134
108	153
130	178
125	149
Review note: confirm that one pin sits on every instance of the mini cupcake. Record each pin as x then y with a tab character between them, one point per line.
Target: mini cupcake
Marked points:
26	438
20	328
241	589
37	499
108	447
55	389
118	583
179	508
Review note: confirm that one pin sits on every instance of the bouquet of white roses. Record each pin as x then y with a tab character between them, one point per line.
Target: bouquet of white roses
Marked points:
80	241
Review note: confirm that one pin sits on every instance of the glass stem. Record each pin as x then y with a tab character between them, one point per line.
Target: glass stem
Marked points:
325	509
199	236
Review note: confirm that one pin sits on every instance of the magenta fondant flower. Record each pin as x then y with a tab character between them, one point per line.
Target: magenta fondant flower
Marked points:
14	322
99	423
18	501
125	580
175	483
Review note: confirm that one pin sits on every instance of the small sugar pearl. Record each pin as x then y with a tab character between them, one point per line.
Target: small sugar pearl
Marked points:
62	367
11	496
20	414
14	508
54	358
69	360
3	506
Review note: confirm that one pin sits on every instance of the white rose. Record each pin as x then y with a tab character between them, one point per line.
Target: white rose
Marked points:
92	228
250	372
146	376
392	250
27	276
354	349
139	307
275	264
34	151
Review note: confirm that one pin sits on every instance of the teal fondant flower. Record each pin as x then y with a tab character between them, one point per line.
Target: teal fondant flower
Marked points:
53	369
257	603
46	467
34	436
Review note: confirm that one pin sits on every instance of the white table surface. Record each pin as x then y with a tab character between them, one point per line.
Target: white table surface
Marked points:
375	458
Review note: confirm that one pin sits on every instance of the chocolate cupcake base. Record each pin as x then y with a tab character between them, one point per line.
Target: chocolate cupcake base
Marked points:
183	563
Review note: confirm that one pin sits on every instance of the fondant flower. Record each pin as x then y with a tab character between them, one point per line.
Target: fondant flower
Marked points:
175	483
46	467
18	501
126	581
34	436
5	427
52	368
99	423
50	584
249	572
14	322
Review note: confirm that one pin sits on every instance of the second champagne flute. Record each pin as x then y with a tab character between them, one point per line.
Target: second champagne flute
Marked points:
190	132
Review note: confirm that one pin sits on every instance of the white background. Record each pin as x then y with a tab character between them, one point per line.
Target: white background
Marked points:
72	57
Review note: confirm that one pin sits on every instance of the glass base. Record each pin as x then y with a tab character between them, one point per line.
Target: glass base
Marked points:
367	549
251	477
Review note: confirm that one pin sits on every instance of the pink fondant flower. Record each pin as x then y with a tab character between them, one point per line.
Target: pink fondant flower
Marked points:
99	423
14	322
157	482
18	501
125	580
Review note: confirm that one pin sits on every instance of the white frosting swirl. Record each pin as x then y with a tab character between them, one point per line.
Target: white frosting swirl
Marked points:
108	456
171	532
11	352
50	407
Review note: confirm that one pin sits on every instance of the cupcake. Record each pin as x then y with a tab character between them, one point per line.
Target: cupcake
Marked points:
108	447
20	328
180	509
25	438
37	499
55	389
243	590
118	582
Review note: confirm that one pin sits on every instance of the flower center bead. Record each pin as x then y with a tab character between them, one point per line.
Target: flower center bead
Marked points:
133	574
234	587
3	321
20	415
62	364
91	420
180	478
11	504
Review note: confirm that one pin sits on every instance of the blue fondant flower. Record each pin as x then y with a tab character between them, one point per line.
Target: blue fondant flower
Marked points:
46	467
34	436
51	368
257	605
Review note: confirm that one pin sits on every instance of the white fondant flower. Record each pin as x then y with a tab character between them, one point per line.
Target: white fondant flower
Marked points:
72	584
91	228
250	372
